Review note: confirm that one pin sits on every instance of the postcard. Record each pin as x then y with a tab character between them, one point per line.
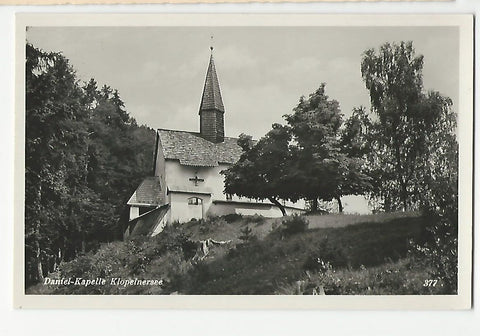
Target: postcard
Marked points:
235	161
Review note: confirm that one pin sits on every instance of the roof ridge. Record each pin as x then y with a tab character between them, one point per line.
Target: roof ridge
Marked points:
174	130
191	132
197	133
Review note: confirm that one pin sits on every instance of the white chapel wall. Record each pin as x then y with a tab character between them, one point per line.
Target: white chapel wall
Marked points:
182	211
160	166
178	175
134	212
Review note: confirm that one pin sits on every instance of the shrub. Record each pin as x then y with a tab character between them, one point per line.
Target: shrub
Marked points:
398	278
294	225
257	219
211	224
233	217
325	253
441	252
246	234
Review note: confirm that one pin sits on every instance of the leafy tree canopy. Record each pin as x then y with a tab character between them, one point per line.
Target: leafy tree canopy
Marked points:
83	156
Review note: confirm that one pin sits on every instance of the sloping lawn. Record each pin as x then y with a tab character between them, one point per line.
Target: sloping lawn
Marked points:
270	261
260	267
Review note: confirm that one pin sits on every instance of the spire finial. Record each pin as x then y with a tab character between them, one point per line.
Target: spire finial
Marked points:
211	44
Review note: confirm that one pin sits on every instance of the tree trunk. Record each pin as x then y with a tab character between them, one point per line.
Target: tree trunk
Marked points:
404	195
279	205
314	207
401	178
58	260
340	205
37	238
39	264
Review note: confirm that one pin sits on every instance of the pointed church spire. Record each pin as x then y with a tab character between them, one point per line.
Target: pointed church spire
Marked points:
211	98
211	107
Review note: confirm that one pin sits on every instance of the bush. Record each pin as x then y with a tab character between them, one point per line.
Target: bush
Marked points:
403	277
293	225
211	224
325	253
233	217
257	219
246	234
441	251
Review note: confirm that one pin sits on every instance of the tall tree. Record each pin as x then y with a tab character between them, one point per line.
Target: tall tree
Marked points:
53	151
84	156
324	166
315	126
91	94
404	120
354	143
414	152
306	159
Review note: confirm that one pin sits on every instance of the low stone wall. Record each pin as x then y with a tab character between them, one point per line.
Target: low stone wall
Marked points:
245	208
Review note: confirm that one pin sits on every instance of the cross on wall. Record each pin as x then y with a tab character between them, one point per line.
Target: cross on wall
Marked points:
196	179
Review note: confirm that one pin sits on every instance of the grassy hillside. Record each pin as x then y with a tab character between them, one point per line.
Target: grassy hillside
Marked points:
262	266
343	254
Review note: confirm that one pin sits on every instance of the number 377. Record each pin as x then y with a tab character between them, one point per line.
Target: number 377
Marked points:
430	283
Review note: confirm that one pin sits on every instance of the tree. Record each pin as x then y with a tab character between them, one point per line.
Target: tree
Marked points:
262	172
405	119
91	94
414	151
308	158
84	156
324	166
354	144
55	130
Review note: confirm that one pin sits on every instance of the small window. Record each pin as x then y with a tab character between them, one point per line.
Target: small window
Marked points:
194	201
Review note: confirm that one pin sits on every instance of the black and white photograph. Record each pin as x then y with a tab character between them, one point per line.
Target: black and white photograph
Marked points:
245	156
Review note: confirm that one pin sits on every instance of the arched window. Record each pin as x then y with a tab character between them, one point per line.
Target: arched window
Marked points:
194	201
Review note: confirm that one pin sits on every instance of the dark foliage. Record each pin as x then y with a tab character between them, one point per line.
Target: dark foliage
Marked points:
414	151
262	266
293	225
262	172
306	159
233	217
246	234
411	133
84	156
326	253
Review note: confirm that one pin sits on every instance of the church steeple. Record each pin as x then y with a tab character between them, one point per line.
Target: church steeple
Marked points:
211	107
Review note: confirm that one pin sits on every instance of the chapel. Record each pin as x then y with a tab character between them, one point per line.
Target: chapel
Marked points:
186	182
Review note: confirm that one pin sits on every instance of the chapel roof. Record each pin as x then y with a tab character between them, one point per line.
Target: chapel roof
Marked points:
211	97
149	192
190	149
146	223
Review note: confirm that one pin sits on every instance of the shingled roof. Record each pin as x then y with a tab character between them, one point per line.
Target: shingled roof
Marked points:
190	149
146	223
211	98
149	192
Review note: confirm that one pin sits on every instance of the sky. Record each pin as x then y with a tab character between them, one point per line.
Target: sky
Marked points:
160	71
